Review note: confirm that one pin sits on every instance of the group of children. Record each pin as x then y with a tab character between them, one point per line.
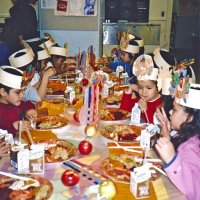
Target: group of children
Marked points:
25	82
180	153
154	75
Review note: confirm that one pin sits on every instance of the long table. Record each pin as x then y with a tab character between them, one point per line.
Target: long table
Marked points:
89	171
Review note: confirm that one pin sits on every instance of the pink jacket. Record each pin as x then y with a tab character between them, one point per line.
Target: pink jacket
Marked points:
184	171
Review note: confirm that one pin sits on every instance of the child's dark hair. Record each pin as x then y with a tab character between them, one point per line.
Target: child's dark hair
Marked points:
190	128
12	71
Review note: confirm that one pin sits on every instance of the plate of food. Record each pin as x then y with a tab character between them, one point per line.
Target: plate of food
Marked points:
120	88
50	122
59	151
42	191
56	87
112	99
113	114
118	168
121	132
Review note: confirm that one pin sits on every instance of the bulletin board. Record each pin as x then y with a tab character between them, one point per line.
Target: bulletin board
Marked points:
49	20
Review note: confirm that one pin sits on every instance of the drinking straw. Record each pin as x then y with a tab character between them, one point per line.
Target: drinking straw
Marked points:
20	131
146	116
30	137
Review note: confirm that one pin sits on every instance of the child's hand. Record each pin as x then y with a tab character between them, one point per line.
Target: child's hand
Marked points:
31	115
164	122
143	105
25	125
4	149
132	88
166	149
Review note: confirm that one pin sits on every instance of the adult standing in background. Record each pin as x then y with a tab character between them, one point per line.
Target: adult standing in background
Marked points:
24	18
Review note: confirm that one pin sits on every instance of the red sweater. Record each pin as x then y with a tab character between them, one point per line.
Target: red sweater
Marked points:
10	113
128	103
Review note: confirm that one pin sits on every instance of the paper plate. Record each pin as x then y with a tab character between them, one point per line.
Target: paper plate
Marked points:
44	191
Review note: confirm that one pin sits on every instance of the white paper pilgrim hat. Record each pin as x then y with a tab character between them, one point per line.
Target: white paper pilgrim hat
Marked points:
144	69
59	51
43	54
48	41
22	57
191	99
9	79
163	58
129	45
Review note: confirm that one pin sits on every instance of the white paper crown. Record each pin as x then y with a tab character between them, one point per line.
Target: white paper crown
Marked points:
60	51
159	60
49	41
126	46
131	49
43	54
10	80
143	68
191	99
23	60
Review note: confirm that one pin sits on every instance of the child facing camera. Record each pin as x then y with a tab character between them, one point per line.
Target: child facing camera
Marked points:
12	108
181	154
145	93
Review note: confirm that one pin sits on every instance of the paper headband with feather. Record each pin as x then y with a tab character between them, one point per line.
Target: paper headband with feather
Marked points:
180	79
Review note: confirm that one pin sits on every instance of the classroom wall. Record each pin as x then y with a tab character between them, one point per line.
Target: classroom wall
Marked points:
77	40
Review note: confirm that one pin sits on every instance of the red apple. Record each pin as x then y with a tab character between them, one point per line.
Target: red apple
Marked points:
76	116
78	90
90	130
74	101
85	82
85	147
70	177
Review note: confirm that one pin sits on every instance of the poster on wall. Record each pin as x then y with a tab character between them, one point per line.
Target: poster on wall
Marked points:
75	8
48	4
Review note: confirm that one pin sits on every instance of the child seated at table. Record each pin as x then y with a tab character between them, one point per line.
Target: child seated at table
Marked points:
128	49
58	58
181	154
42	75
145	93
12	108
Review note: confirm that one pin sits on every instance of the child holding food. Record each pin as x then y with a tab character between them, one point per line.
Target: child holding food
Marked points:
181	154
12	108
145	93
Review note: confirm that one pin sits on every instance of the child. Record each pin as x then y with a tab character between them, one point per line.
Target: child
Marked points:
149	98
12	108
181	155
42	75
129	47
58	58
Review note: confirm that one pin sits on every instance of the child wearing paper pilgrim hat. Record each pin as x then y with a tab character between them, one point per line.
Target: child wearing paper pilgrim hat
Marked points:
25	60
181	154
42	75
146	88
58	57
12	108
129	48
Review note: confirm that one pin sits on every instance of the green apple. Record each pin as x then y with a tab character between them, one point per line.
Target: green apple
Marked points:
90	130
107	189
